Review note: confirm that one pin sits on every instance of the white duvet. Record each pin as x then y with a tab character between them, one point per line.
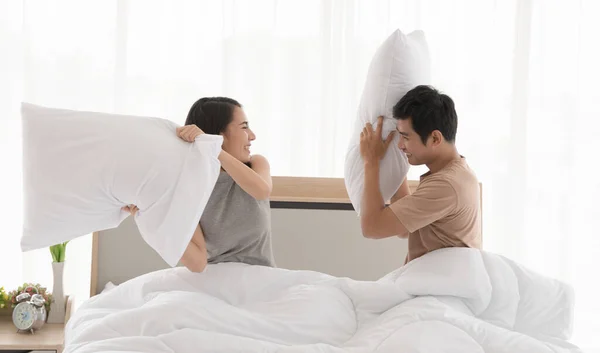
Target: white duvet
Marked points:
451	300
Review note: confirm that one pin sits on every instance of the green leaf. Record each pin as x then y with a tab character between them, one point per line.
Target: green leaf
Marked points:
53	253
59	251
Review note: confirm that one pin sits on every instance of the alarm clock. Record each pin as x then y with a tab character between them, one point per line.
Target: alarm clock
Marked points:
30	313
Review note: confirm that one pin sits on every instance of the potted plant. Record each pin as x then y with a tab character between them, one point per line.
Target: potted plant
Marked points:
31	288
58	305
5	307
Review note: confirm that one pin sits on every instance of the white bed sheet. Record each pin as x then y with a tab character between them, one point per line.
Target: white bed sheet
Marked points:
451	300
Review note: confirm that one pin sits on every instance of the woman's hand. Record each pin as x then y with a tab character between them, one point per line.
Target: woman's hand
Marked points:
189	132
131	209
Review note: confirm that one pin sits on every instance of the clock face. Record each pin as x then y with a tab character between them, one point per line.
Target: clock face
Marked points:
23	316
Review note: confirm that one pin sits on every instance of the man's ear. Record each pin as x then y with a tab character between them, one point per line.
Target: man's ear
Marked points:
436	138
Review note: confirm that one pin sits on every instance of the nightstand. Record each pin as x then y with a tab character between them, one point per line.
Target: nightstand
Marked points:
50	339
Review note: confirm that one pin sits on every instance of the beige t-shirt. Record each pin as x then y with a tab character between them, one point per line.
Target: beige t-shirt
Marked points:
444	211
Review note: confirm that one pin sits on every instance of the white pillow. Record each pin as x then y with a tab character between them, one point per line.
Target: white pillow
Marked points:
400	63
80	168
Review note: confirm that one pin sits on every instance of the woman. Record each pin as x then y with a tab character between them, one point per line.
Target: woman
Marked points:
236	223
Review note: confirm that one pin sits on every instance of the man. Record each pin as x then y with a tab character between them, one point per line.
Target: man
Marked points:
444	210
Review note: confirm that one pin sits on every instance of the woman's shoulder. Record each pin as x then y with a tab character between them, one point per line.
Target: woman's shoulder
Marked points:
258	160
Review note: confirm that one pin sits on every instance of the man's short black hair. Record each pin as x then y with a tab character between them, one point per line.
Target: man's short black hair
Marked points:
429	110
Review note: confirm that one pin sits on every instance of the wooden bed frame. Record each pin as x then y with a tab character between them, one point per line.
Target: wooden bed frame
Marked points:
296	190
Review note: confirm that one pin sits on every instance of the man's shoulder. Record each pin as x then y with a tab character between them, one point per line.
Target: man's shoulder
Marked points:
435	188
458	172
460	178
467	186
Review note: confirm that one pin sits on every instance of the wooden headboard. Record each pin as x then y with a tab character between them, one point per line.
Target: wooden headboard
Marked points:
312	199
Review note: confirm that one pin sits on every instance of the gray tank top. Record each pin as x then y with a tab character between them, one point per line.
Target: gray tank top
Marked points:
236	226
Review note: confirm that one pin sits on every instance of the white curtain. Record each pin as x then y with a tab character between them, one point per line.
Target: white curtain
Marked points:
523	73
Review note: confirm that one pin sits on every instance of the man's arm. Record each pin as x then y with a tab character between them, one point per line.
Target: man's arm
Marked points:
378	221
403	190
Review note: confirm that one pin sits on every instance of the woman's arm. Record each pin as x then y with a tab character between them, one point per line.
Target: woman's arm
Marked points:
195	257
256	181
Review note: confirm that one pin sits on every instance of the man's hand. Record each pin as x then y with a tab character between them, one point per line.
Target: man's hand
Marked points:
189	132
372	145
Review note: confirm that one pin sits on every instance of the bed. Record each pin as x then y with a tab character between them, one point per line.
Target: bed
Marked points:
451	300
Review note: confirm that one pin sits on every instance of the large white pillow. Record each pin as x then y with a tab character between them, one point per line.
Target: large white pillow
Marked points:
400	63
80	168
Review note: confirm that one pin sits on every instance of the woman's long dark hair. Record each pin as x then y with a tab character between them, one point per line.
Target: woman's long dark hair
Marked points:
212	114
